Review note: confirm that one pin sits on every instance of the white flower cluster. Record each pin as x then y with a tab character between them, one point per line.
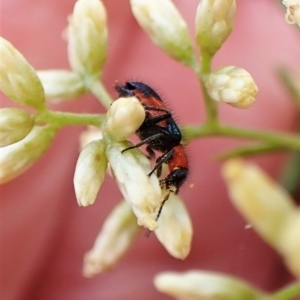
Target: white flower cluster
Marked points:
21	141
142	193
213	24
270	211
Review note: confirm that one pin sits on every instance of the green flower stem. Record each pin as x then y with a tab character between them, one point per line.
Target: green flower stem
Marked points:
61	119
290	176
290	84
272	138
247	151
206	63
210	105
97	88
287	293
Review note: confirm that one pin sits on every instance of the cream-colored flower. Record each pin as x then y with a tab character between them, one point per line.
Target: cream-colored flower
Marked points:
166	27
232	85
130	170
267	207
214	23
18	157
116	236
194	285
175	229
124	117
90	172
292	15
15	124
18	80
87	38
61	85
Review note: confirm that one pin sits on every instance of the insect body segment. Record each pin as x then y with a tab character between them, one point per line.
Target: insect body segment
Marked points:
159	132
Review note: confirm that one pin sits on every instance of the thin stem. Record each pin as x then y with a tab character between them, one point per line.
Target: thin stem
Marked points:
210	105
274	138
290	176
99	91
65	118
279	139
206	64
287	78
248	151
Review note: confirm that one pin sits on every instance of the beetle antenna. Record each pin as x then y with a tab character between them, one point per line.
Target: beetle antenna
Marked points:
148	232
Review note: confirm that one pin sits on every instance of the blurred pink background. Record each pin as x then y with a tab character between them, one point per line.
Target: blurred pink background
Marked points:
44	234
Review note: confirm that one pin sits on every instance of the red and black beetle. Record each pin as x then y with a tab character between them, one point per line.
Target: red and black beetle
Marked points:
159	132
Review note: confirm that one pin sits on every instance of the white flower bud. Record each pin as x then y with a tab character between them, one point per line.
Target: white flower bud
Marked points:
87	37
61	84
130	170
232	85
292	15
175	229
18	157
204	285
90	172
15	124
166	27
116	236
267	207
18	80
124	117
214	23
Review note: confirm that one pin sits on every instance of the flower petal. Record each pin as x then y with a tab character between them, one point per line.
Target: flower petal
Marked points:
175	229
130	170
90	172
18	157
15	125
116	236
124	117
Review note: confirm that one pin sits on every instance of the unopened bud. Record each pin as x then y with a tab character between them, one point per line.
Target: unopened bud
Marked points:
15	124
204	285
116	236
18	157
166	27
61	84
175	229
87	37
267	207
18	79
90	172
214	23
124	117
131	170
292	15
232	85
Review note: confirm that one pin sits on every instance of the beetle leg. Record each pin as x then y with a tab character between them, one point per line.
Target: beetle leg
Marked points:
161	160
145	141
